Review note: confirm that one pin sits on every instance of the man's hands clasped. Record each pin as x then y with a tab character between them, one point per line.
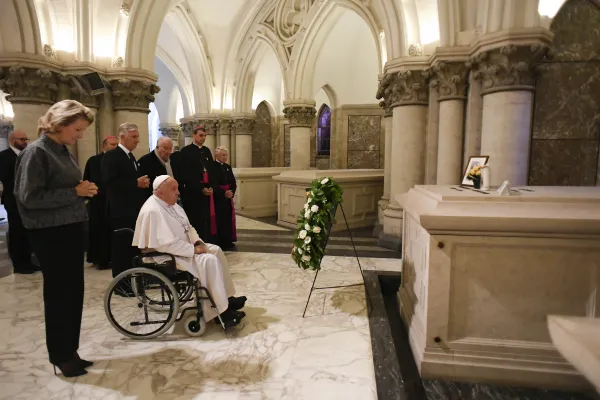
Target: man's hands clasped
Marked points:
143	182
86	189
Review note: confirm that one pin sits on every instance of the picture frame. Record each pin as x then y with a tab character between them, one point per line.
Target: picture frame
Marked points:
473	162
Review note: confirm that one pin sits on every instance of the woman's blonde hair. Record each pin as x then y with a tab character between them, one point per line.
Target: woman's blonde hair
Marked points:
64	113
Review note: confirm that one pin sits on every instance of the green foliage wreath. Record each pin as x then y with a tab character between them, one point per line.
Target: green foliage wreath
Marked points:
318	214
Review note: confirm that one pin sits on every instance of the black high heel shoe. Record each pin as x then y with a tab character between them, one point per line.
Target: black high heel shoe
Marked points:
81	362
69	369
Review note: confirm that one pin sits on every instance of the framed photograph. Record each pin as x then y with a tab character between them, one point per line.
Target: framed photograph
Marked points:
473	162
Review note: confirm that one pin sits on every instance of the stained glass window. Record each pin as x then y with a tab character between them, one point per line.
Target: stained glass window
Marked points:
324	131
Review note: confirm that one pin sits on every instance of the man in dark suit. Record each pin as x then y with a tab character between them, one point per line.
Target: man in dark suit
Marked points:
126	192
18	240
224	187
194	165
100	231
157	162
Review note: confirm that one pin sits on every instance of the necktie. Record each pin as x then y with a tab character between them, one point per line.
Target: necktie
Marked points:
132	158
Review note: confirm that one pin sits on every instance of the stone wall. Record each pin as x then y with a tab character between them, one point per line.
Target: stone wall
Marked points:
566	128
261	137
359	139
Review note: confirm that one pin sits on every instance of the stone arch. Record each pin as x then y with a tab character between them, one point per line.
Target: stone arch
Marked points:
145	20
565	146
19	28
261	138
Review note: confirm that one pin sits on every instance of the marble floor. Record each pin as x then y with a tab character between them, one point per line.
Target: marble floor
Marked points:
274	354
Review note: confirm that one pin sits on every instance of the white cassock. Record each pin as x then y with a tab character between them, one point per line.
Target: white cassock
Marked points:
167	229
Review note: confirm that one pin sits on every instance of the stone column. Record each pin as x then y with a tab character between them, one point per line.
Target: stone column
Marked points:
212	127
31	91
387	175
301	114
407	93
452	84
507	89
173	132
242	129
433	123
131	99
473	116
225	133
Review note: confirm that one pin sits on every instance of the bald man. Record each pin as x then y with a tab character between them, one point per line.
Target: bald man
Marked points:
158	161
18	240
100	231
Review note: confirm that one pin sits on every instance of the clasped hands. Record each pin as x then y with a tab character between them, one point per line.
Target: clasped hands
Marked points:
228	194
207	191
86	189
143	182
200	249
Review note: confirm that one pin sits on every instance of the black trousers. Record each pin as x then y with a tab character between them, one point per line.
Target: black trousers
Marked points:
19	248
60	252
122	250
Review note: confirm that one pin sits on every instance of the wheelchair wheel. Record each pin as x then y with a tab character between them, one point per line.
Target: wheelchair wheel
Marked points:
194	327
141	303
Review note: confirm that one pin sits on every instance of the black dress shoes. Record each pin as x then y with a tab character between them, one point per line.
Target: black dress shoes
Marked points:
237	303
25	270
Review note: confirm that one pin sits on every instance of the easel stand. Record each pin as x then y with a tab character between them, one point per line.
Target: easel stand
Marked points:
313	288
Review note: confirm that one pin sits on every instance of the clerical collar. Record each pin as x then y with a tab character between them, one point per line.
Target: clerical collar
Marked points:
198	146
17	151
125	149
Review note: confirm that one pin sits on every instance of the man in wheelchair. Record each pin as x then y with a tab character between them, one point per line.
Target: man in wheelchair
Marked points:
162	226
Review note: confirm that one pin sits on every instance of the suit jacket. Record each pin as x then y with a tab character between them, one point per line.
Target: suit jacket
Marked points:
153	167
8	158
119	176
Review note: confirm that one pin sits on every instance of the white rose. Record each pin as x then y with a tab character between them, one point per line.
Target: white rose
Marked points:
307	250
302	234
307	214
317	229
309	200
305	258
306	206
299	251
314	208
307	227
324	181
307	240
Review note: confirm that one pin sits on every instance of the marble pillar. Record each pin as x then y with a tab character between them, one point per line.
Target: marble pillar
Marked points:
301	114
387	174
433	123
407	93
507	89
212	127
31	91
225	133
451	78
131	99
242	130
473	119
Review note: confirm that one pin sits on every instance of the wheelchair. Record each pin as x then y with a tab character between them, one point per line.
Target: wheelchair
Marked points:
152	296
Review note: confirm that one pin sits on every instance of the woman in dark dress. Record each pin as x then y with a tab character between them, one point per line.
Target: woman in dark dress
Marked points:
50	196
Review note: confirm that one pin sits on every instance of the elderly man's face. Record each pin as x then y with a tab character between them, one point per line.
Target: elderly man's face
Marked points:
168	191
164	150
222	156
19	140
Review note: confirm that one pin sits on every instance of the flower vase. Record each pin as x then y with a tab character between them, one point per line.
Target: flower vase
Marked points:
477	183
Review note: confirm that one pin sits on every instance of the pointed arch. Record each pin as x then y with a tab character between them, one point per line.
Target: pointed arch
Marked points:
324	131
19	28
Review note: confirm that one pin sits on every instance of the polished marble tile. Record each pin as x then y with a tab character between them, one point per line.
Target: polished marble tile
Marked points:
252	224
274	354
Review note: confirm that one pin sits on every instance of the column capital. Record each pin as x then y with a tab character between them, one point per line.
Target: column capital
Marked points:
243	125
404	88
450	79
300	115
509	67
132	94
76	92
29	85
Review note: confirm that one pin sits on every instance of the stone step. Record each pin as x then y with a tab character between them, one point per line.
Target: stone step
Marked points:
6	267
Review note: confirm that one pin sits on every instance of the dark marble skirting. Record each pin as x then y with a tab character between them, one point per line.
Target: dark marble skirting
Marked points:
396	373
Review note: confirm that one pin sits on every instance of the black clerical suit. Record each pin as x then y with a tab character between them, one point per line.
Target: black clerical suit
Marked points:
222	179
120	172
100	230
150	165
192	163
18	240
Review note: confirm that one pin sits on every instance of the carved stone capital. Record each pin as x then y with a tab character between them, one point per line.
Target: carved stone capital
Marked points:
29	85
450	79
224	126
77	92
171	131
404	88
187	127
507	68
243	126
210	124
300	116
132	95
387	110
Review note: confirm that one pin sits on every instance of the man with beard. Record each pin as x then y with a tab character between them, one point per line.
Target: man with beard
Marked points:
100	230
195	164
18	240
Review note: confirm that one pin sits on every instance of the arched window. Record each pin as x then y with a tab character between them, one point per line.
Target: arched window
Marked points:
324	131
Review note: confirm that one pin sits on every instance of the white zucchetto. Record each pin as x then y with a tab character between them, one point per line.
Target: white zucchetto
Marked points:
159	180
